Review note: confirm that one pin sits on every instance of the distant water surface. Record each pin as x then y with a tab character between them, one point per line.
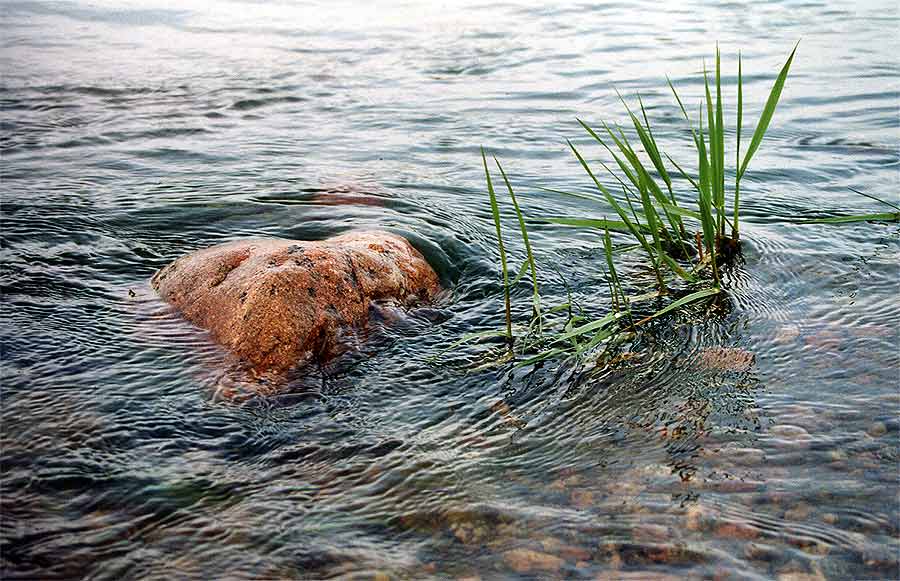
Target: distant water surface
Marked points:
132	133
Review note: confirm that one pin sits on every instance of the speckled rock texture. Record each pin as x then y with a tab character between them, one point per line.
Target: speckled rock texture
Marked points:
277	303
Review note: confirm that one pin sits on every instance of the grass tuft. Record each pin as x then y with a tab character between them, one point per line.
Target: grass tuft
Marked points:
648	211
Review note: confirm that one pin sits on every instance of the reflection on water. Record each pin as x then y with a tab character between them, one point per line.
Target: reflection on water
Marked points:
132	135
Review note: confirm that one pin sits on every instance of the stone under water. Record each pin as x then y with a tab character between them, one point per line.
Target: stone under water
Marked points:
276	303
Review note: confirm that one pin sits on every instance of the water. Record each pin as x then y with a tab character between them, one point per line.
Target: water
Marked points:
132	135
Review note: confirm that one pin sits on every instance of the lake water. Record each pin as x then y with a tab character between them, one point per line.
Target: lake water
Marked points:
133	133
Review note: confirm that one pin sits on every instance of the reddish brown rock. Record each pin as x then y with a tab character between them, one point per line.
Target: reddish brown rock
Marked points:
726	359
276	302
526	561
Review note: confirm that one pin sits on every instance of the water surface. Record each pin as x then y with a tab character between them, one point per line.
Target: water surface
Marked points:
131	135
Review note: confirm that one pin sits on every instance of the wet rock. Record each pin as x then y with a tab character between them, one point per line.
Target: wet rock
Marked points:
581	498
726	359
696	518
790	436
761	552
787	334
800	576
551	544
580	555
799	512
733	486
472	527
277	302
527	561
470	532
636	576
877	429
737	530
837	455
743	456
651	533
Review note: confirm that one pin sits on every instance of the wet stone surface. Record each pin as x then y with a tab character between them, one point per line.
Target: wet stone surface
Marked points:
278	303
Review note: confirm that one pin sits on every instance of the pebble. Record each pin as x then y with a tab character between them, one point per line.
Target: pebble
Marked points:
787	334
726	359
745	456
467	530
795	576
761	552
877	429
737	530
826	339
790	436
651	532
799	512
733	486
581	498
635	576
574	553
526	561
837	455
695	518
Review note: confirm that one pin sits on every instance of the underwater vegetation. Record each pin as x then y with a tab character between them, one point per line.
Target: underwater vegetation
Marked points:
686	246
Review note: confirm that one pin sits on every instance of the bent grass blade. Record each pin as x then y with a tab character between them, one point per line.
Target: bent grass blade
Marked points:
495	212
695	296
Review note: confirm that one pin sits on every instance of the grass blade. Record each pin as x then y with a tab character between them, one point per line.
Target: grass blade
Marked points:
767	113
713	144
695	296
737	154
536	297
614	276
871	197
720	144
466	339
495	212
883	217
654	153
635	230
579	195
588	327
613	225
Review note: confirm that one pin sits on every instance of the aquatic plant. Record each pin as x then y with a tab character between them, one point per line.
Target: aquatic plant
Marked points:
667	242
649	212
870	217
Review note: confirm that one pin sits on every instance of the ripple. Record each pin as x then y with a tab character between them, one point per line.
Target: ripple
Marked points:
750	436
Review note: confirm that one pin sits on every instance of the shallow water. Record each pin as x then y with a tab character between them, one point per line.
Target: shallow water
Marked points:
133	135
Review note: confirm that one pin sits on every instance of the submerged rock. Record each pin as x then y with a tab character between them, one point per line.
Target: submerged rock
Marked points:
276	302
731	359
527	561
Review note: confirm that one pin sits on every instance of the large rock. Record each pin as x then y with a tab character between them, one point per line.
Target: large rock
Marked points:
276	303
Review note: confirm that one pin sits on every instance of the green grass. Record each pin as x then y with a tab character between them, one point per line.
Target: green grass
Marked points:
685	245
876	217
659	227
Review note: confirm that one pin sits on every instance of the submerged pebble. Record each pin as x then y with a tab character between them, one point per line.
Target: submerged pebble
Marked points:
527	561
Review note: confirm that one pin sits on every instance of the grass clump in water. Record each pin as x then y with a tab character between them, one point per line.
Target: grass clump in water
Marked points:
659	224
648	211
